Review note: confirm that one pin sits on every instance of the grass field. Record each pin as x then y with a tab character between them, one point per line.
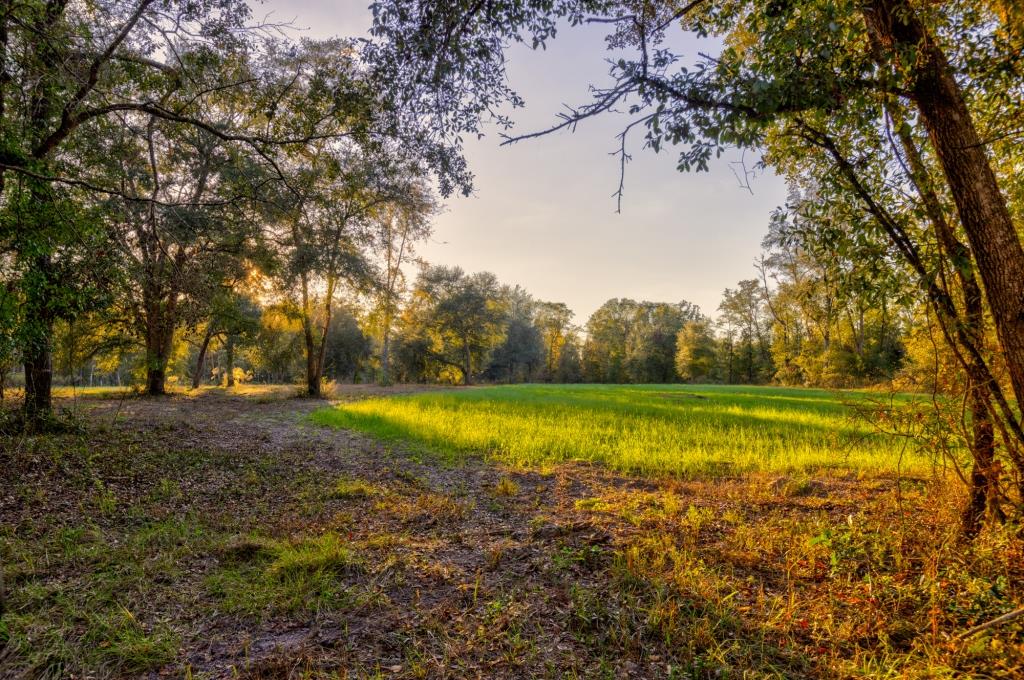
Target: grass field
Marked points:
659	429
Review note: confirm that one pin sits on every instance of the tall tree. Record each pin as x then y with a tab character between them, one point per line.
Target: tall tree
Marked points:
397	228
554	320
459	316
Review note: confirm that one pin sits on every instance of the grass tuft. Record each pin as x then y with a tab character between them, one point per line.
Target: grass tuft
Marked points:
350	488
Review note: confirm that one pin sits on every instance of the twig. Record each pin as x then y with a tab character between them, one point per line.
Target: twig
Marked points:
999	620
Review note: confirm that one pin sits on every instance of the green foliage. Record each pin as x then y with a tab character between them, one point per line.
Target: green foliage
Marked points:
630	341
697	353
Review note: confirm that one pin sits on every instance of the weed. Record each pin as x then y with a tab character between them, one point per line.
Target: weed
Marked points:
351	488
506	486
104	499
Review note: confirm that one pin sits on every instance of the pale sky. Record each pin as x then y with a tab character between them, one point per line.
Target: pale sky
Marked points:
543	214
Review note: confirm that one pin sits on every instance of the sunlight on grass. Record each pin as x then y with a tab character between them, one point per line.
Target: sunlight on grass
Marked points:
673	429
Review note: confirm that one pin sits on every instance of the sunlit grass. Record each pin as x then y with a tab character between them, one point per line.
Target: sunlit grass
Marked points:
659	429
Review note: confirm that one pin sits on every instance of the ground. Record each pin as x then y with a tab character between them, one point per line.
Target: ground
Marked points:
226	535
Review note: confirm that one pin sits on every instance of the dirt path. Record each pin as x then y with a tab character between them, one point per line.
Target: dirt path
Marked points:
466	584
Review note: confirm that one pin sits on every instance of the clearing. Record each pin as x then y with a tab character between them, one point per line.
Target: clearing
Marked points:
229	535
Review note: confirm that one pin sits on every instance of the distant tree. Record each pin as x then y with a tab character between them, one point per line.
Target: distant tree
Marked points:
521	352
461	315
412	358
696	358
348	347
554	321
608	329
743	312
277	352
239	323
570	365
629	341
651	344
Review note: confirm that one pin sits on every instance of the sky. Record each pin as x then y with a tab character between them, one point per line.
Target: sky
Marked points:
543	214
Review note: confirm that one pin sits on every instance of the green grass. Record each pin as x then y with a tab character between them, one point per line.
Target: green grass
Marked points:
658	429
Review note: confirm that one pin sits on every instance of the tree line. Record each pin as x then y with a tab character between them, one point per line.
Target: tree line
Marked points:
806	320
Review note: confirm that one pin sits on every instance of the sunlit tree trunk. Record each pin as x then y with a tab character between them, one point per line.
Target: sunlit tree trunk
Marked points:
972	183
984	478
229	359
197	376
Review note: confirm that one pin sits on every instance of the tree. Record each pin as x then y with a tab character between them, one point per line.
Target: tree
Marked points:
239	323
325	233
190	238
570	366
348	346
696	358
398	227
554	321
743	310
461	316
651	344
608	329
521	352
67	72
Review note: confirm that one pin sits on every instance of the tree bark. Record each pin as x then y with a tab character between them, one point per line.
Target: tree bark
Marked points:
972	183
159	338
984	479
37	349
229	360
467	368
38	383
197	376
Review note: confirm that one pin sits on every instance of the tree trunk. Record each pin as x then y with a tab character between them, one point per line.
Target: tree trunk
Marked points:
229	360
312	376
321	354
156	372
197	376
38	385
312	373
37	346
983	494
160	319
467	368
972	183
385	359
984	481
